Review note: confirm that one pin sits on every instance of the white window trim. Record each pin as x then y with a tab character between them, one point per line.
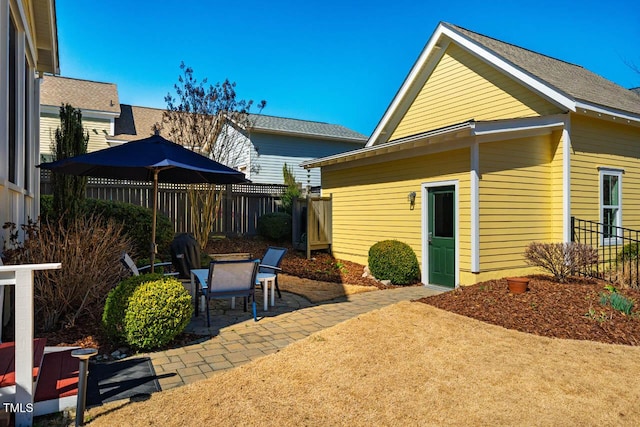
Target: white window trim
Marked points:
618	173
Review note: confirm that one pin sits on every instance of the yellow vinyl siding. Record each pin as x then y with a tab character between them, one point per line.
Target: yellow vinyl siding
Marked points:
515	204
98	130
370	202
600	143
461	88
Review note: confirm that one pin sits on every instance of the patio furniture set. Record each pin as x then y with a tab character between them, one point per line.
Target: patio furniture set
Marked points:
230	276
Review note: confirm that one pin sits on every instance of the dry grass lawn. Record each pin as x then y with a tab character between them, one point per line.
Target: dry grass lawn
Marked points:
408	364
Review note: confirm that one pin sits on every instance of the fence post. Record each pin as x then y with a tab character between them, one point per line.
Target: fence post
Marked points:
227	209
573	228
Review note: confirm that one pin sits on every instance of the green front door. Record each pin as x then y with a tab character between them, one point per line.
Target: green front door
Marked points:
441	236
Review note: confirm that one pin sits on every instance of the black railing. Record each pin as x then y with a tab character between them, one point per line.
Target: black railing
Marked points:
617	249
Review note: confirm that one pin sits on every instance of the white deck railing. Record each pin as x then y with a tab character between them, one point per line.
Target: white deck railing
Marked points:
21	276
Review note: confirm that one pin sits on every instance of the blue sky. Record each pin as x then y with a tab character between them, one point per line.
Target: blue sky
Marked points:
331	61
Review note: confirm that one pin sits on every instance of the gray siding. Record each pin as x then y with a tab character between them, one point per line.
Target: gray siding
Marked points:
273	151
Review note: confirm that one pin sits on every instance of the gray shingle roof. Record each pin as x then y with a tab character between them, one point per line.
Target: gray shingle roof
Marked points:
303	127
83	94
573	80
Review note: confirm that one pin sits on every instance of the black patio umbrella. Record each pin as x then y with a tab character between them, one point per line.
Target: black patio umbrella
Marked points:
151	159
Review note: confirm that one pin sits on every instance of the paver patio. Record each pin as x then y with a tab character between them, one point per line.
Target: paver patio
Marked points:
235	339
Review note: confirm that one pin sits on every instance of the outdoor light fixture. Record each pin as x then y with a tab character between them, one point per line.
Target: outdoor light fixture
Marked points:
411	197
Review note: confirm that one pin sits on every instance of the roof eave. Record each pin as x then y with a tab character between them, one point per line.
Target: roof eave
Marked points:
309	135
46	10
389	147
585	107
485	131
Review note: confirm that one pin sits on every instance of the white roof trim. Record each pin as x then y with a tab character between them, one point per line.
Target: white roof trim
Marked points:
400	144
519	125
559	98
256	129
587	106
93	114
555	96
496	130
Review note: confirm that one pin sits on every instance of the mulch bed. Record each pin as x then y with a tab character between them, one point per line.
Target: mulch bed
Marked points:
548	309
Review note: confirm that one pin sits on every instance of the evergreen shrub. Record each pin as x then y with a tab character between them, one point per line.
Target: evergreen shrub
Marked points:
275	226
158	311
117	303
395	261
136	221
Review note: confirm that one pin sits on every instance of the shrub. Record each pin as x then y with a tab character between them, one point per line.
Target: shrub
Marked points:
89	249
617	301
158	311
136	221
395	261
275	226
117	302
561	259
628	252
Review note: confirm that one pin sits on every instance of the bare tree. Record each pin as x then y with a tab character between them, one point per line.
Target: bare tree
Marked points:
213	122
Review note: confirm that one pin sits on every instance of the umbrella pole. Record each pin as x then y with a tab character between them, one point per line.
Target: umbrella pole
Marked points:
153	222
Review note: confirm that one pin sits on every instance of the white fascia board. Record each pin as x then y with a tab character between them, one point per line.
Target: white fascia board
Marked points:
559	98
401	144
408	84
516	126
586	107
309	135
90	114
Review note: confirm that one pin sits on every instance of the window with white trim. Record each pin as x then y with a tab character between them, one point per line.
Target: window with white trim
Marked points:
611	204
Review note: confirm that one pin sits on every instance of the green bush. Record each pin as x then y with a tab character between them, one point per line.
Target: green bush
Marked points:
275	226
617	301
628	252
136	221
395	261
117	302
158	311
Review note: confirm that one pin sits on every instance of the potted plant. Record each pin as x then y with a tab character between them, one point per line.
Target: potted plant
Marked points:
517	285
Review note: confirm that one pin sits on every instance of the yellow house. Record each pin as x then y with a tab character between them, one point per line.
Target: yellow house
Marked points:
485	148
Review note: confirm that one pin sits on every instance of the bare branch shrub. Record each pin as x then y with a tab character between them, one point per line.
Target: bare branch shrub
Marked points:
89	249
561	259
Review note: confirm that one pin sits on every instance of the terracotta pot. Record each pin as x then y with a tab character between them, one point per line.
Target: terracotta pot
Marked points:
517	285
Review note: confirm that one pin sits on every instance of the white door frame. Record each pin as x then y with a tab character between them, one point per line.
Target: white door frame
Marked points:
425	226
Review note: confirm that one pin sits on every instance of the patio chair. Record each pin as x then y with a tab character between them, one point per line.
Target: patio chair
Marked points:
229	279
136	271
271	263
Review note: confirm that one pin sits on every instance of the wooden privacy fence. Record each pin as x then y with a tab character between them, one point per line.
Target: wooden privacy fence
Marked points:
312	224
240	207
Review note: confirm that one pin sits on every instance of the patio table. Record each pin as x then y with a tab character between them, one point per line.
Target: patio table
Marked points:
199	276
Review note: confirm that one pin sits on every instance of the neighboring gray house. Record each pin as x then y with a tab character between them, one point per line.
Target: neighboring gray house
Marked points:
262	153
274	141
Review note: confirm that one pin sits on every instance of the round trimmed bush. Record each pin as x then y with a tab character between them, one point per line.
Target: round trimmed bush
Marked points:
158	311
275	226
117	302
394	260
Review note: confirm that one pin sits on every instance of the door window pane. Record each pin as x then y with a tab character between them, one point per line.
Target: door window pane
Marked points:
443	214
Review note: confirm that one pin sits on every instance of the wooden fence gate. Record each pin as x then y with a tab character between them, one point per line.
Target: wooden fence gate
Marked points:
312	224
